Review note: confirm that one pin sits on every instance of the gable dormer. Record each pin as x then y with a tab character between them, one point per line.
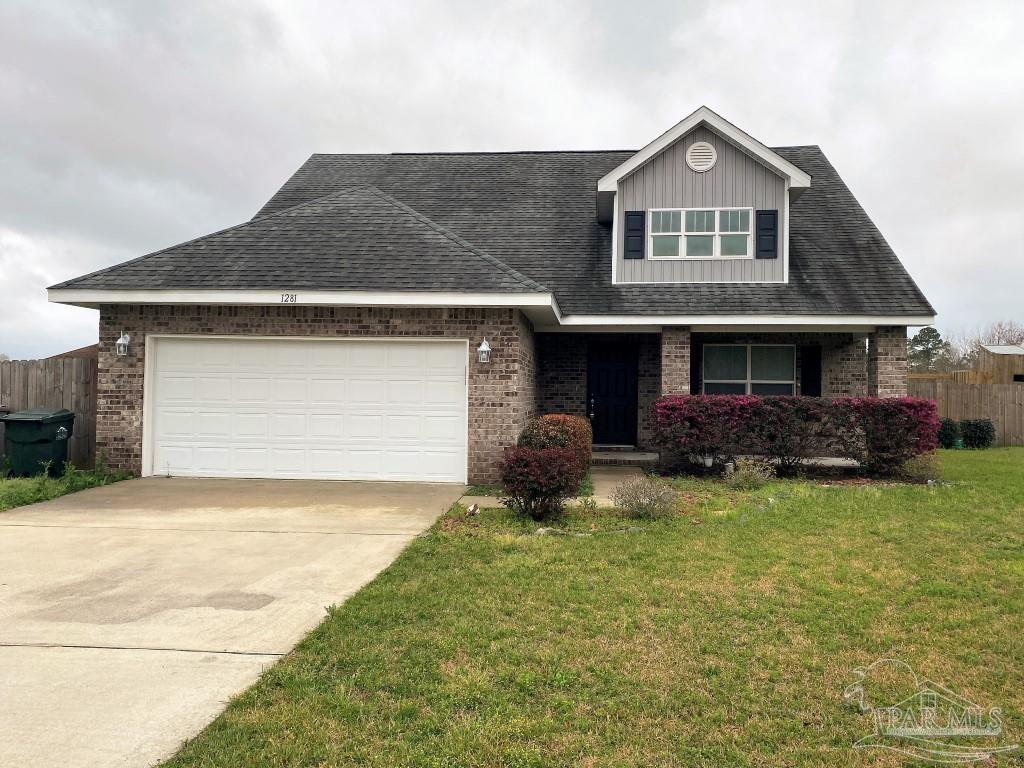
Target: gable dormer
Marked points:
703	203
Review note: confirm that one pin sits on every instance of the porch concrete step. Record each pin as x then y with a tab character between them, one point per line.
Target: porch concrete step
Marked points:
603	458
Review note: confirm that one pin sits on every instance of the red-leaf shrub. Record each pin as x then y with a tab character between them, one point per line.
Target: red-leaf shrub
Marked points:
880	433
704	425
537	481
894	430
789	430
559	430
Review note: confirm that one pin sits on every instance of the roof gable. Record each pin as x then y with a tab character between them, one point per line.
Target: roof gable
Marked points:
797	178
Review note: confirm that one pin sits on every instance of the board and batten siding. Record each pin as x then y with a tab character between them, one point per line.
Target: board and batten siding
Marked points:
666	181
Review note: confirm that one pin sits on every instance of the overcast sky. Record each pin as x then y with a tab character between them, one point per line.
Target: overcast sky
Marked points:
130	126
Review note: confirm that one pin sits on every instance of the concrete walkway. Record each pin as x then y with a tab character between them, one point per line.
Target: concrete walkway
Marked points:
131	614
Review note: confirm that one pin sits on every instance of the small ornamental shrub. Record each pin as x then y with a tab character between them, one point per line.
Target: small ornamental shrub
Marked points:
948	433
538	481
704	425
750	474
557	430
921	469
645	498
978	433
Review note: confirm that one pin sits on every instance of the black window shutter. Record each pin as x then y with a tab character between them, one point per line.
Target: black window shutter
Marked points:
767	235
635	235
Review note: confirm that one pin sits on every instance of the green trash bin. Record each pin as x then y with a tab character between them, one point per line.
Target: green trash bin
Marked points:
37	436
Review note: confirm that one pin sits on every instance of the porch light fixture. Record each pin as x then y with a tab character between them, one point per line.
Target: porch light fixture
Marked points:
483	352
121	345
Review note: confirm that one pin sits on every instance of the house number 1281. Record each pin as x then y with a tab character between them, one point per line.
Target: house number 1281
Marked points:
289	298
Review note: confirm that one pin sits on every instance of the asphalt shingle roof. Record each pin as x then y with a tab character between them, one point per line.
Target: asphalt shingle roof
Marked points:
514	222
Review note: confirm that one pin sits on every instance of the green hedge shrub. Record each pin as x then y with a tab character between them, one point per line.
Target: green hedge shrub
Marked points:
978	433
948	433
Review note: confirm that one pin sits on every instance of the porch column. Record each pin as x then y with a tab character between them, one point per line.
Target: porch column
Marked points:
675	360
887	361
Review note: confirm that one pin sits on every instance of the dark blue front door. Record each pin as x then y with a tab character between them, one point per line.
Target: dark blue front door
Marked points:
611	392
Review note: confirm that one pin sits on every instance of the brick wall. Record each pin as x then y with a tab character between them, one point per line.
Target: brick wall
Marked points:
562	373
649	385
675	360
493	425
887	361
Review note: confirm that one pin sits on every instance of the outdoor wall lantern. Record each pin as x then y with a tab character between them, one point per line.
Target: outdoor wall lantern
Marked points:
483	352
121	345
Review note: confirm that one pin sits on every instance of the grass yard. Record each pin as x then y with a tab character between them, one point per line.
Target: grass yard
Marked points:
19	491
722	637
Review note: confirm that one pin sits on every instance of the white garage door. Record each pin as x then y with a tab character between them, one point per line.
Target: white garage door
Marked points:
311	409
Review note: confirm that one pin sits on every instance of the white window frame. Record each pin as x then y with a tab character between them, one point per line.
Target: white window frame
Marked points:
716	254
748	382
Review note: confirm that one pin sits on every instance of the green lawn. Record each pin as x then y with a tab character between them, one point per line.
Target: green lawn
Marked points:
19	491
724	637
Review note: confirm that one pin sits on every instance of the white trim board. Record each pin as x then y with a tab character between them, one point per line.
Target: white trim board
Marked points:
797	178
541	308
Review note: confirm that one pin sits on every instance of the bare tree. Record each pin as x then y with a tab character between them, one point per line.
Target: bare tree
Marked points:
964	346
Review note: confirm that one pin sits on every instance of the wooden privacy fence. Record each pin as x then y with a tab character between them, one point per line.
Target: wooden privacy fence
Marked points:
68	382
1003	403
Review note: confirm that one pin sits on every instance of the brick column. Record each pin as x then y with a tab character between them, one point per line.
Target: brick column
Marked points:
675	360
887	361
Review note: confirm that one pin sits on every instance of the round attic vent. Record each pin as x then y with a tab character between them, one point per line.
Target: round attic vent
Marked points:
701	156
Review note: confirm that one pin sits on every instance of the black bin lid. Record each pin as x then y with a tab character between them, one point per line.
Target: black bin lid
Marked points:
40	415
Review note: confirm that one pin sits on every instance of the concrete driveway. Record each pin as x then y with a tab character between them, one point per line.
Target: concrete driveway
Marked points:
130	614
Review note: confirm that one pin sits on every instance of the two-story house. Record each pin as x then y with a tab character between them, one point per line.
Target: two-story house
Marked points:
400	317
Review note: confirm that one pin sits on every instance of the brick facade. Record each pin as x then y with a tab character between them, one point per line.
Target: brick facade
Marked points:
675	360
887	361
493	425
527	375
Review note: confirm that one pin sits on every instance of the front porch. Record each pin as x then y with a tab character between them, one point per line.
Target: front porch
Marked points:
614	379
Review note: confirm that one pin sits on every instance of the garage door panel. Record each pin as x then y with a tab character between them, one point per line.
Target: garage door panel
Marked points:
287	461
212	424
177	388
444	392
442	428
405	391
445	357
252	390
327	391
215	459
367	355
172	458
366	391
360	426
331	409
249	425
289	390
213	389
323	425
176	422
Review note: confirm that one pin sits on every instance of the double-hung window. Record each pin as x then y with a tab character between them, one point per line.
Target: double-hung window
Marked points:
684	233
749	369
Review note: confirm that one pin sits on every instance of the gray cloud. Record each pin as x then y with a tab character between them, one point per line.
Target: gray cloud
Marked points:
130	126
